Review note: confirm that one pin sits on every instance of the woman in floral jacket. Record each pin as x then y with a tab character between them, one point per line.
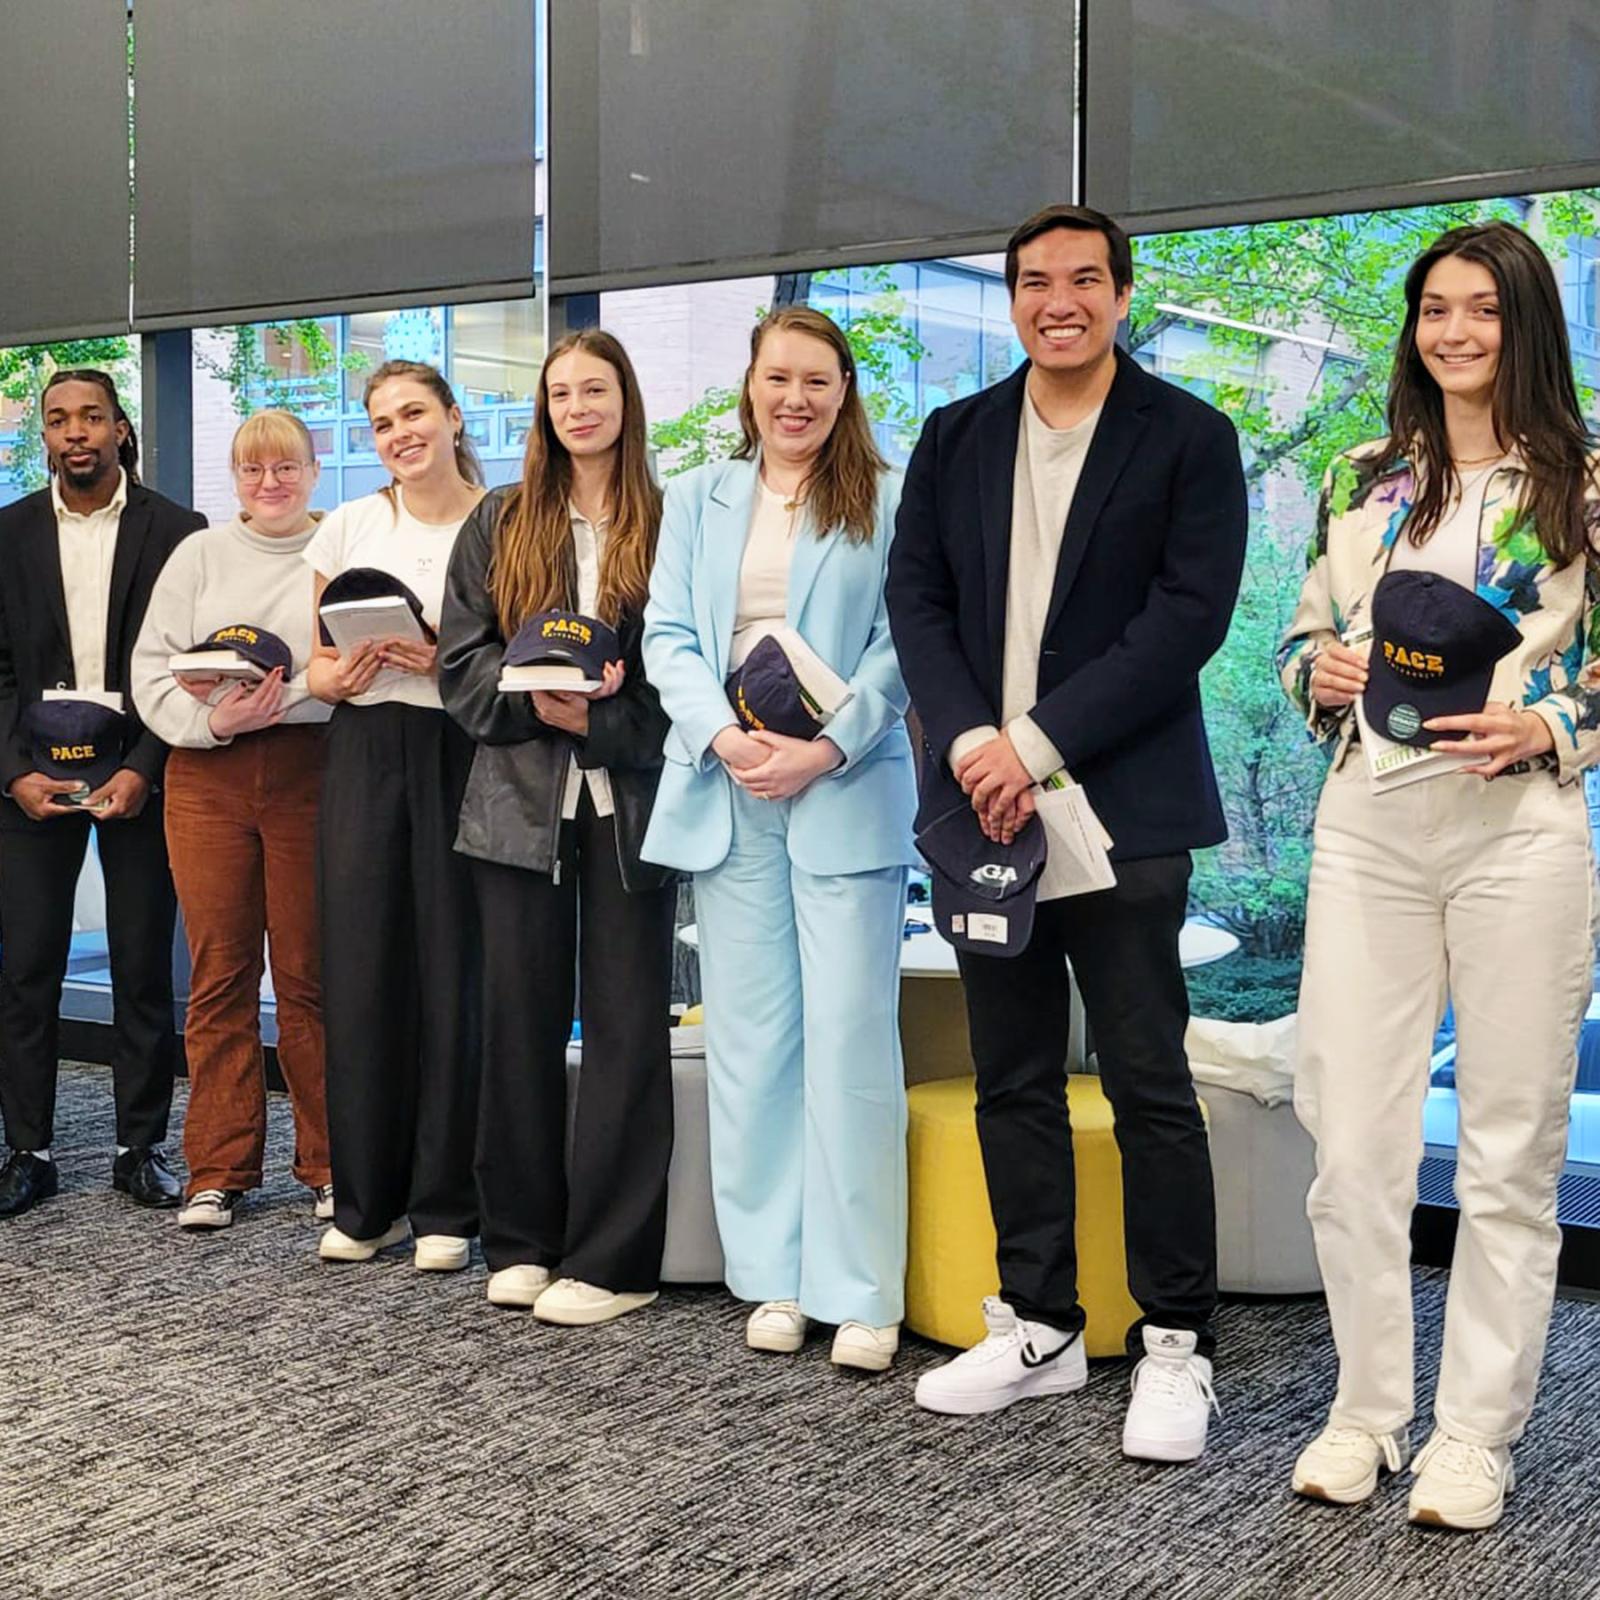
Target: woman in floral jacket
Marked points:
1474	882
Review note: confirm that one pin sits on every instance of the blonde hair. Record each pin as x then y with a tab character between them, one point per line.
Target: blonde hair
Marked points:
842	487
272	436
533	567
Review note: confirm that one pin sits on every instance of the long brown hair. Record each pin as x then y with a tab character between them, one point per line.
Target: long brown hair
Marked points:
431	379
841	489
1535	400
533	567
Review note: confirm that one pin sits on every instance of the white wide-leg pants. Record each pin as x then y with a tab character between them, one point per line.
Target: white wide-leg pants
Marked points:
1484	892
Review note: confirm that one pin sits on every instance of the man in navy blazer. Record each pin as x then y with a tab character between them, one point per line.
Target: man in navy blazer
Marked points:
77	563
1067	556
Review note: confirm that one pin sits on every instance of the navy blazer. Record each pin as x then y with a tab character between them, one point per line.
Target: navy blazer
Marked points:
1143	592
35	646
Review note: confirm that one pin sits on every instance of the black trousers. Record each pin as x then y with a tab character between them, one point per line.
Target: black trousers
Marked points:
400	972
1123	946
602	1218
39	867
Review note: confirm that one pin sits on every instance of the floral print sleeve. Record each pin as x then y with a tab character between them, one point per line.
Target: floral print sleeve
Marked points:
1565	689
1316	622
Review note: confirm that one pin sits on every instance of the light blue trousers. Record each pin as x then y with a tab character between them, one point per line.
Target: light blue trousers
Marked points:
801	976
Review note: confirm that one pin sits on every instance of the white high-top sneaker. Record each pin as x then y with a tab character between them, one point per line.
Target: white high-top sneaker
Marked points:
1343	1464
1172	1399
1015	1361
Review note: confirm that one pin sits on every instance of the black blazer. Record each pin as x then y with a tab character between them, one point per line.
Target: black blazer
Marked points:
1143	591
35	647
511	812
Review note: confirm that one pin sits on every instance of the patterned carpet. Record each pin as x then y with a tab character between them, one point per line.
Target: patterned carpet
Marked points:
228	1418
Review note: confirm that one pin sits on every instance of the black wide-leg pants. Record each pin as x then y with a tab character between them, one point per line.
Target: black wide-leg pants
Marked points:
1123	946
39	867
601	1219
400	972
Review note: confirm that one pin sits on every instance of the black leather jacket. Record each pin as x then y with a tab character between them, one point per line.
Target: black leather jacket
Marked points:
511	812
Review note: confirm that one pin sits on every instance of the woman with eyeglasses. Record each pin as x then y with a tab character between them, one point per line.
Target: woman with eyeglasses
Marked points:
400	967
241	816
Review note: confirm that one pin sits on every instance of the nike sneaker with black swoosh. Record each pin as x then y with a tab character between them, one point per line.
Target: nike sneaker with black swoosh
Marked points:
1016	1361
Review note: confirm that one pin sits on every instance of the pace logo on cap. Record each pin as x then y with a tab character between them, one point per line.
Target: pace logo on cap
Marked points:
1434	648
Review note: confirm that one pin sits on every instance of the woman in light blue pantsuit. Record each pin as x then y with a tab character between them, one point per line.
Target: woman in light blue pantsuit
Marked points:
799	848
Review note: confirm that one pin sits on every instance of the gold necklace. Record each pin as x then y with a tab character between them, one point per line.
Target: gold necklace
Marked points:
1475	461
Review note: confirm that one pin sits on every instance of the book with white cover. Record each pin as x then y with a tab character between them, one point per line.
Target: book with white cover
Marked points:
108	698
546	675
1077	861
381	617
825	692
212	664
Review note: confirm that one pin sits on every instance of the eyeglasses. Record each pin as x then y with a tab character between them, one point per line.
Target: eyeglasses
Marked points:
286	472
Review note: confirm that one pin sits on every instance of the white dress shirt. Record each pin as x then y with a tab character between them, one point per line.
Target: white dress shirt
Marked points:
88	545
586	541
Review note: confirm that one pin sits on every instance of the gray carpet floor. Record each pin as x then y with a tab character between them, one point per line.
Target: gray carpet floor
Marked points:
227	1417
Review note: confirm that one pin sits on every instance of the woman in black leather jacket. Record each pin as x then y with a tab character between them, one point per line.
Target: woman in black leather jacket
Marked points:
555	809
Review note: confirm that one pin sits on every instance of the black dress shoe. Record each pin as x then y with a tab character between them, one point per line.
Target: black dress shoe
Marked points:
143	1175
24	1182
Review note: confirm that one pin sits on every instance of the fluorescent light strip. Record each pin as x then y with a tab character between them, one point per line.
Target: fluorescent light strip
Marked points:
1191	315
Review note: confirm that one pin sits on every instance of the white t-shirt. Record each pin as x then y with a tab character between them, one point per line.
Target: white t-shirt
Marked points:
376	531
763	573
1451	549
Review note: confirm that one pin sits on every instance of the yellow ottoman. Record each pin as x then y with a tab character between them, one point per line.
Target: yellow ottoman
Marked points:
950	1257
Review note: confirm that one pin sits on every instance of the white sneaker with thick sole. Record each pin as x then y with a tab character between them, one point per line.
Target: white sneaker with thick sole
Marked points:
1172	1399
863	1347
1016	1360
337	1245
322	1202
1342	1465
209	1210
440	1252
573	1304
1460	1485
776	1325
519	1286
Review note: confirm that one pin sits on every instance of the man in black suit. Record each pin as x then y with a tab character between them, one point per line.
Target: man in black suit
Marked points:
1067	556
77	564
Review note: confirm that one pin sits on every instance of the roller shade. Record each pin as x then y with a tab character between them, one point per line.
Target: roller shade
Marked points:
330	154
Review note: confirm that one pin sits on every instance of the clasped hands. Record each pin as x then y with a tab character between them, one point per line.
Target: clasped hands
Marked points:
569	712
245	708
773	766
999	786
1498	736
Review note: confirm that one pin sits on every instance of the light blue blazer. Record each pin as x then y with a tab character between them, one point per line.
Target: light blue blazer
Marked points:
856	818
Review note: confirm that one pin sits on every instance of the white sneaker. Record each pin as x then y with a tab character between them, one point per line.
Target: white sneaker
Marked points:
440	1252
209	1210
573	1304
1342	1464
323	1207
337	1245
867	1349
1172	1399
518	1286
1460	1485
1015	1361
777	1325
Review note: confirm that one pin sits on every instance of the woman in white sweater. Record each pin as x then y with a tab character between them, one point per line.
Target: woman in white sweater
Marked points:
242	784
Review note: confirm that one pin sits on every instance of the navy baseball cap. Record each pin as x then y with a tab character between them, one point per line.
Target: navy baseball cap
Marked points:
564	639
371	583
766	692
78	739
983	892
255	645
1434	649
